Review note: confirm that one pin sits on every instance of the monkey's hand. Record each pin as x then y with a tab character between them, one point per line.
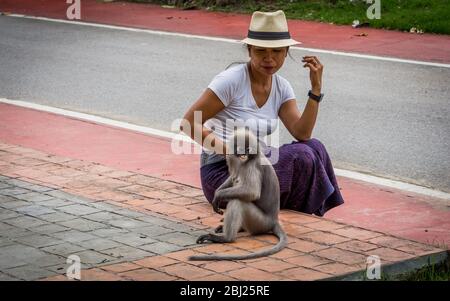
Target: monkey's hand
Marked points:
215	203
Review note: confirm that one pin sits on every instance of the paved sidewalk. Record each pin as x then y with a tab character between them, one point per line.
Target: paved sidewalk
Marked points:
70	187
369	206
127	226
426	47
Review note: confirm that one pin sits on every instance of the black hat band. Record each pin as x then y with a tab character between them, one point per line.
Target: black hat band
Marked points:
267	35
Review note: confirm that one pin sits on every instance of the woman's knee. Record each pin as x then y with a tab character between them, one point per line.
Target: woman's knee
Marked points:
315	144
300	149
301	153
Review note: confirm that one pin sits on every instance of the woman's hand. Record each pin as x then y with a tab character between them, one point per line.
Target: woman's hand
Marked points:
315	73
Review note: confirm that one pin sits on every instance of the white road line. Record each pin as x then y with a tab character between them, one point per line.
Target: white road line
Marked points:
392	184
147	130
156	32
97	119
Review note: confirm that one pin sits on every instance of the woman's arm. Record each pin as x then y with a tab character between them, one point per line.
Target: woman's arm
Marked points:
301	125
209	105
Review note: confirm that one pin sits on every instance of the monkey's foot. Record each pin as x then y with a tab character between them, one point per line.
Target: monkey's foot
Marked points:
204	238
219	229
213	238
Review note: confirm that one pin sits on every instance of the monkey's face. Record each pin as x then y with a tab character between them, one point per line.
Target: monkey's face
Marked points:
245	152
245	145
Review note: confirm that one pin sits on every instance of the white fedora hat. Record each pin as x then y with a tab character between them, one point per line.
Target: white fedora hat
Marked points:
269	30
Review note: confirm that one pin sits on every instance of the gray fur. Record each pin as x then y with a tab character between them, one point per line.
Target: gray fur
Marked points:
252	196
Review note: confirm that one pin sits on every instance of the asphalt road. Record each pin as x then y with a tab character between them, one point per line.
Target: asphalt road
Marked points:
384	118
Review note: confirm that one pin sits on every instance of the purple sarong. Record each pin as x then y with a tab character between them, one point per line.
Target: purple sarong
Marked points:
307	180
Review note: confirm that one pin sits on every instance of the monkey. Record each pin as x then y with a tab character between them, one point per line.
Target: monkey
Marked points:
251	194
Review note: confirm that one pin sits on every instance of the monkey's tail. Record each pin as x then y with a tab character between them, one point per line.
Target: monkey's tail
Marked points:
278	231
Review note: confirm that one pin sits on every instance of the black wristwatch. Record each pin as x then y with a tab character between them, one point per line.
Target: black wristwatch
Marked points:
315	97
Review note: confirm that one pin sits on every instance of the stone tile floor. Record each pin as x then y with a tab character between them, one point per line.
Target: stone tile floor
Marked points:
127	226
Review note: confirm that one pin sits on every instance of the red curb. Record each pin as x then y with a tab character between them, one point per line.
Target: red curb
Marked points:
425	47
88	141
369	206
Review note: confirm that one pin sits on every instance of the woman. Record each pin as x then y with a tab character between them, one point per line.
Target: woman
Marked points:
253	91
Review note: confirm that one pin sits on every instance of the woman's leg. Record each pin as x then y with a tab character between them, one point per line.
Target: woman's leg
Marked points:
307	180
212	176
306	177
336	198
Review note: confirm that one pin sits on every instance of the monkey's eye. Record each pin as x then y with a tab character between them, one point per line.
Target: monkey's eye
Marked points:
251	150
240	150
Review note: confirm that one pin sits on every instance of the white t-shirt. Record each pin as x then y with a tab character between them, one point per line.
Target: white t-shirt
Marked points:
233	87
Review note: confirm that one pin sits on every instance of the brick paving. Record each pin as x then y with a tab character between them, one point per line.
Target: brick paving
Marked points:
128	226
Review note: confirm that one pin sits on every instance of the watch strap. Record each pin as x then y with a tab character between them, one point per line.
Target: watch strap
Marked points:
317	98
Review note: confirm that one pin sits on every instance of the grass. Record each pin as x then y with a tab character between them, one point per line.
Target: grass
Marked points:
428	15
429	273
439	272
436	272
